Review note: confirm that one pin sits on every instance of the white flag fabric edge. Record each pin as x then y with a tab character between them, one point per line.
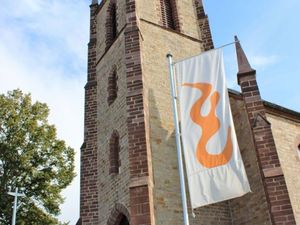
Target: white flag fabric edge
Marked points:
214	172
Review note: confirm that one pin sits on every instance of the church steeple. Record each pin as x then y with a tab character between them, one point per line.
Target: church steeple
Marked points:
243	64
261	131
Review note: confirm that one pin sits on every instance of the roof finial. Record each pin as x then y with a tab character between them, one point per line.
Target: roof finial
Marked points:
94	2
243	64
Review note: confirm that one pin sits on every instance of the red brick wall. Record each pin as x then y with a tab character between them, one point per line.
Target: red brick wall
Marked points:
273	178
205	32
140	206
89	173
279	200
251	208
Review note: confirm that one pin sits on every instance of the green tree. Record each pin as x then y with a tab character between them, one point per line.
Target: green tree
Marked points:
31	157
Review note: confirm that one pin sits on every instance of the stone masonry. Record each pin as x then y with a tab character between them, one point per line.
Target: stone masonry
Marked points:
89	173
129	168
277	195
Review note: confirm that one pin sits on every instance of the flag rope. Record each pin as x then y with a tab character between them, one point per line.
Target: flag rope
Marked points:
222	46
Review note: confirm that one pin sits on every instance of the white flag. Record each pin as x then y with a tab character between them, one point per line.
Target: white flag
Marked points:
215	170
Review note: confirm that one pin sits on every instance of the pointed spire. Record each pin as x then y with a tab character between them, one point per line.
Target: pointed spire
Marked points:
243	64
94	2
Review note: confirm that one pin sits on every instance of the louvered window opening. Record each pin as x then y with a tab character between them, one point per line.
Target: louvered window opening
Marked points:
167	14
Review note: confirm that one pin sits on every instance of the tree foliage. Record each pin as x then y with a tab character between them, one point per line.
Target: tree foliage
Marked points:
32	158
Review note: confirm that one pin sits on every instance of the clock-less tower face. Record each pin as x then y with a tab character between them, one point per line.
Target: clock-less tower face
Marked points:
129	156
128	159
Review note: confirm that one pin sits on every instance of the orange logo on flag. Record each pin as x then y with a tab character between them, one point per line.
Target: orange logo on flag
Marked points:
210	124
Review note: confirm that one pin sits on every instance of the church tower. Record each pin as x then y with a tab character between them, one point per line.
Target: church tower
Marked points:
129	171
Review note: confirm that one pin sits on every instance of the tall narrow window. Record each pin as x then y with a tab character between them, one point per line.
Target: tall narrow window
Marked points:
112	87
169	14
114	149
111	24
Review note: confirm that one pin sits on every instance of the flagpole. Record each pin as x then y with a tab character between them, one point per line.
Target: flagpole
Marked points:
178	142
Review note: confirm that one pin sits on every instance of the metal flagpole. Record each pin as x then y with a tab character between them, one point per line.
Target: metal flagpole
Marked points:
16	194
178	142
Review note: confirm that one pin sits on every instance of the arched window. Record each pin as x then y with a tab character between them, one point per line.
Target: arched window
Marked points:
169	14
112	88
111	24
114	149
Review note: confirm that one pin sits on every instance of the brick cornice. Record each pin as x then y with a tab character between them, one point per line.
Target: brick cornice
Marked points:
246	74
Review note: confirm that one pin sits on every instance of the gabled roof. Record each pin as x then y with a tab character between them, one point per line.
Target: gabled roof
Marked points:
271	108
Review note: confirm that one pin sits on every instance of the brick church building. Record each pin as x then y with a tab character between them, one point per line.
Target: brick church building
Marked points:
129	171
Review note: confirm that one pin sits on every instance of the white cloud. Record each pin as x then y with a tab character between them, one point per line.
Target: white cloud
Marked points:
43	51
263	61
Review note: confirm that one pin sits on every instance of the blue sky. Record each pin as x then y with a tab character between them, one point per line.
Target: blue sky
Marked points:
269	33
43	50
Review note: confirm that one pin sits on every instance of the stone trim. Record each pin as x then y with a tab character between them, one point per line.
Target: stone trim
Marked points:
140	181
117	213
273	172
261	121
